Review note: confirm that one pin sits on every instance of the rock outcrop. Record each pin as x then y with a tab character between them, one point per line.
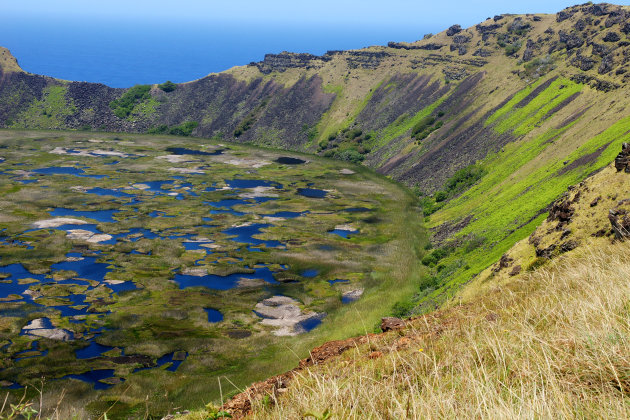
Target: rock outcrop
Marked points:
619	218
622	161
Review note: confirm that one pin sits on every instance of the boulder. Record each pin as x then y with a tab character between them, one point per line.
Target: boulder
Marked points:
582	62
528	54
561	211
455	29
622	161
612	37
619	218
570	40
564	15
606	65
391	323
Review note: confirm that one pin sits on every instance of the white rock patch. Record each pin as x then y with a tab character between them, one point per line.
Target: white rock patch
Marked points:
56	222
86	235
187	170
284	313
37	328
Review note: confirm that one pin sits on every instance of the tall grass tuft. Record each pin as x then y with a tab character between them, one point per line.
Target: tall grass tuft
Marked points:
554	343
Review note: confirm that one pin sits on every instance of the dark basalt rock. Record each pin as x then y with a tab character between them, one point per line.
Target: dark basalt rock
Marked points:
564	15
550	31
595	83
458	44
546	252
430	46
504	262
404	46
612	37
619	218
482	53
583	63
536	19
455	29
365	59
487	29
580	25
606	65
461	49
600	49
498	17
568	246
622	161
518	26
625	28
286	60
561	211
455	73
596	201
613	19
528	54
516	270
570	40
461	39
391	324
597	9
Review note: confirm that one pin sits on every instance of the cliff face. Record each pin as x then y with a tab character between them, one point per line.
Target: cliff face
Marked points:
367	105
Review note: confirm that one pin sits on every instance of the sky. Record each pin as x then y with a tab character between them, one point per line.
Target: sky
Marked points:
433	13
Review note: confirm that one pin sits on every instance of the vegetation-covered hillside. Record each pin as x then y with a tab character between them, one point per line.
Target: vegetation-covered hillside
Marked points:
490	126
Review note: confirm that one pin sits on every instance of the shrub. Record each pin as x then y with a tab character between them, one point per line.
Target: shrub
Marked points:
167	86
245	125
440	196
512	49
124	105
184	129
350	155
464	179
403	309
422	125
353	134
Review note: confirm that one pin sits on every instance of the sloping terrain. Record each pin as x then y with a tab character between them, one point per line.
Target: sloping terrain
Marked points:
490	125
548	340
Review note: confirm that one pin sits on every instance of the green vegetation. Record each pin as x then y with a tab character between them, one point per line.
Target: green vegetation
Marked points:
523	119
245	125
167	86
506	209
539	66
512	49
158	318
183	129
49	112
403	125
125	105
461	181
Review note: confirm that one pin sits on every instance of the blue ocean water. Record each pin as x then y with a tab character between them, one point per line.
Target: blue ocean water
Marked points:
121	53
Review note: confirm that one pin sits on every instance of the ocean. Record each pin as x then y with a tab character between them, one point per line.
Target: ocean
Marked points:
123	53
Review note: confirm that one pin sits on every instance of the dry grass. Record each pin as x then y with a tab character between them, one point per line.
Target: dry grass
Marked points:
551	344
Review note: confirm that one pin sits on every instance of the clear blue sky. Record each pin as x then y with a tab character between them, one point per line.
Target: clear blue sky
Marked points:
420	13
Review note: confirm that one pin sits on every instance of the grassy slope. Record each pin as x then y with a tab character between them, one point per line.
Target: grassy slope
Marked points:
550	344
509	202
